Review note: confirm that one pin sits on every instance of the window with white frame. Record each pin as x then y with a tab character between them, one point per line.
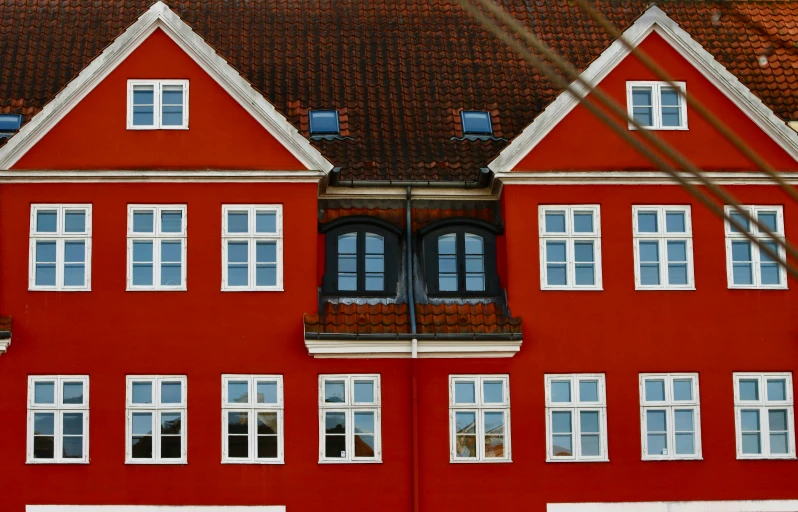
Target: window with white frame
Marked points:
670	416
570	247
763	410
657	105
479	418
156	419
747	264
156	247
252	419
58	419
576	418
60	247
252	247
157	104
349	418
663	245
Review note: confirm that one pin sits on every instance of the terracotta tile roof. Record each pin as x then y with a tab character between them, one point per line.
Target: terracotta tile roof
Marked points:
398	71
420	216
479	318
5	323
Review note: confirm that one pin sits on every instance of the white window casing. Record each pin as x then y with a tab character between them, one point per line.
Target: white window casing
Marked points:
151	255
665	109
162	411
60	247
663	247
670	416
252	247
747	266
350	419
167	113
58	419
576	418
570	247
479	419
763	415
262	410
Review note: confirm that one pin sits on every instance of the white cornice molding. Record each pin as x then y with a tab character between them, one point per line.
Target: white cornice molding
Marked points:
392	348
634	178
4	344
160	176
678	506
160	16
653	20
417	192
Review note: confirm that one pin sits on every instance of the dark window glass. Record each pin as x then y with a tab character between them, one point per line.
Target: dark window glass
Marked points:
324	122
476	123
361	261
461	262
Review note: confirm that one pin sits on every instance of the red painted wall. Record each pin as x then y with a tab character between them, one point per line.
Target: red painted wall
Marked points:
582	142
221	134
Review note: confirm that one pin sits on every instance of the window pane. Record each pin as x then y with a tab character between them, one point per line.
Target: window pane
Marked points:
779	444
477	123
643	115
446	244
555	222
494	446
347	244
267	392
143	95
172	95
641	96
375	263
647	222
347	282
267	447
649	251
751	443
170	447
677	251
44	393
72	393
364	445
237	268
675	222
143	116
171	392
73	424
447	283
73	447
749	420
334	391
683	389
364	422
266	275
555	252
44	424
777	389
590	445
466	446
238	392
43	436
142	274
583	222
683	420
473	244
171	423
655	421
171	221
141	424
267	423
493	392
45	263
323	122
777	420
238	446
334	446
741	251
769	268
583	252
266	222
742	274
347	263
375	244
560	391
465	422
266	252
556	275
75	222
769	220
562	445
171	115
677	274
464	393
75	252
238	423
589	421
46	221
588	391
494	423
749	389
655	390
657	444
237	222
142	251
671	116
364	391
335	422
171	268
669	96
142	392
561	433
585	275
685	444
475	282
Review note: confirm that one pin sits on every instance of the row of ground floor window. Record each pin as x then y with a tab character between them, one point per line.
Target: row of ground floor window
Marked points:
350	411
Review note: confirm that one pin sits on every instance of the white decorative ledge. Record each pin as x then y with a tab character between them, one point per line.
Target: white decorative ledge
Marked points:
393	348
4	345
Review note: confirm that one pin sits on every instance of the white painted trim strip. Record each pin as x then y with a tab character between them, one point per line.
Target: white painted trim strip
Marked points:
47	176
4	344
634	178
679	506
653	20
160	16
150	508
357	349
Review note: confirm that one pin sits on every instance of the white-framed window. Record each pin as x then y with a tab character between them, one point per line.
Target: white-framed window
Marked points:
479	418
252	247
656	105
763	412
252	419
748	266
670	416
58	419
349	418
156	247
570	247
576	418
156	419
663	246
60	247
157	104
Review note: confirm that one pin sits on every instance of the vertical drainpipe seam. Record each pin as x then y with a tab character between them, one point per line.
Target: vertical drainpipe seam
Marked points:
413	382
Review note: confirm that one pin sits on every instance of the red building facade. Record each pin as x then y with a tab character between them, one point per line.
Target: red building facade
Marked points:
240	273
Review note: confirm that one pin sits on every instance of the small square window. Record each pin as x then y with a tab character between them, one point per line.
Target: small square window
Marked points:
58	419
476	123
324	122
60	247
479	418
576	418
663	244
670	416
656	105
748	265
570	247
156	420
763	407
252	424
349	419
157	105
252	244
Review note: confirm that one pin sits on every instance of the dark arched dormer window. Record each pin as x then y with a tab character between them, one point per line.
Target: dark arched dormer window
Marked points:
460	259
361	258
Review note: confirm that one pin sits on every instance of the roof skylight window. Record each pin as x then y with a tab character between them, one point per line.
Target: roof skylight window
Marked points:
476	123
10	122
324	122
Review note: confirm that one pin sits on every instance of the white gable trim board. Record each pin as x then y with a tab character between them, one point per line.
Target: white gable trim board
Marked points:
653	20
160	16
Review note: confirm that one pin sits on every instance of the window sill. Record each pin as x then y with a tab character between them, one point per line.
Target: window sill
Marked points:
156	289
570	289
253	289
670	459
483	461
37	289
350	462
664	289
159	463
578	460
659	128
766	457
765	288
151	128
253	462
58	462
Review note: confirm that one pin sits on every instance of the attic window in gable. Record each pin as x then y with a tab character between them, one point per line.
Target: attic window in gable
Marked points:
476	123
657	105
324	122
157	105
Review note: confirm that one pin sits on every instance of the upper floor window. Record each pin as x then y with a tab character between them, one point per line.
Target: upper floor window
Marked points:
663	243
479	418
461	261
570	247
747	264
252	245
252	419
576	418
763	410
58	419
362	259
657	105
60	247
156	247
157	104
349	418
324	122
670	420
156	419
476	123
